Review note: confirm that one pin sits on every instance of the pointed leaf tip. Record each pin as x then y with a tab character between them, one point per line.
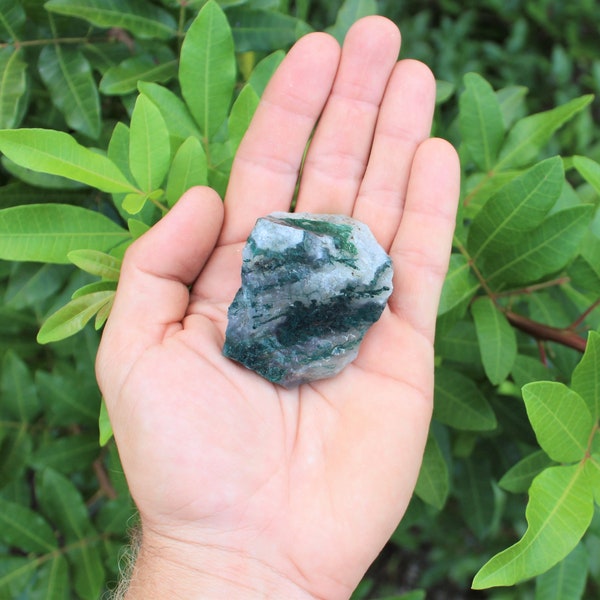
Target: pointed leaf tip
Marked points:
558	513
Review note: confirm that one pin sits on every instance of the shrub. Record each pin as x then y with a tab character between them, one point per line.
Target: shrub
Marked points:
105	123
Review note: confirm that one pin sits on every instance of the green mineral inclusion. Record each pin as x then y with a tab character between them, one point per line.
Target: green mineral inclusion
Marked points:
307	298
339	233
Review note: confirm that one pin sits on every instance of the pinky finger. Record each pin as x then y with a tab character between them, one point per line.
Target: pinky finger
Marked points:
421	248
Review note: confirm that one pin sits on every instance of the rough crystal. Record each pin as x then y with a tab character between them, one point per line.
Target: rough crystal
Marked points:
312	285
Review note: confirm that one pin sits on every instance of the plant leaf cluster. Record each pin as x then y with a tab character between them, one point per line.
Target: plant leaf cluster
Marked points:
521	295
106	119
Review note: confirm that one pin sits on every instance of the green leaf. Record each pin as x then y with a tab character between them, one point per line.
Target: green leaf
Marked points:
526	369
96	263
476	495
62	504
137	228
412	595
511	103
65	401
48	232
18	193
517	207
104	55
124	77
459	402
530	134
443	91
519	477
560	419
104	426
497	340
567	579
68	76
175	113
592	468
13	87
586	376
118	148
481	122
103	314
32	283
89	575
58	153
15	450
25	529
264	70
96	286
582	274
589	169
12	19
118	152
149	149
133	203
207	69
241	114
41	180
15	574
52	580
116	473
144	19
543	251
73	317
348	14
460	344
558	513
189	168
460	284
480	187
19	394
66	454
433	484
264	30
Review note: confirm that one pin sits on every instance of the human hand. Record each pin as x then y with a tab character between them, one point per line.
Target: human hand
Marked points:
246	489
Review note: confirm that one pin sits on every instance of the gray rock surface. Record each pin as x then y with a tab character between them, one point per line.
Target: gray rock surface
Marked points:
312	285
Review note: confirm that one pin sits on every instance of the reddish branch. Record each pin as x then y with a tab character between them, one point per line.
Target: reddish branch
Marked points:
567	337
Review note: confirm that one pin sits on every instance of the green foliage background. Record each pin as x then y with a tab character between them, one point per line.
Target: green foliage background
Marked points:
510	484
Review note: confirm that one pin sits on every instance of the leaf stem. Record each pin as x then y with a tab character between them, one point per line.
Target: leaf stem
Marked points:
473	266
575	324
540	331
106	487
534	288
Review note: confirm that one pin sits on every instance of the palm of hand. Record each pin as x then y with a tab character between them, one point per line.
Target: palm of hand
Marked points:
310	481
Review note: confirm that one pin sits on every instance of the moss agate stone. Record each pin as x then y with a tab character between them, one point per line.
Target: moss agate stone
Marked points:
312	285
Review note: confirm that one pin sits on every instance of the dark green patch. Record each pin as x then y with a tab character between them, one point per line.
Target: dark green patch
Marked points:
321	320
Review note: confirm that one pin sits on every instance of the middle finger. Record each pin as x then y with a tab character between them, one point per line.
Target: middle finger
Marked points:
338	154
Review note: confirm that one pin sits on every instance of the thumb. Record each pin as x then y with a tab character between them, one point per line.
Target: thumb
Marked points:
152	296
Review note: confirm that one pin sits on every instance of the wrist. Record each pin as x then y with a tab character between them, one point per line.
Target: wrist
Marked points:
167	568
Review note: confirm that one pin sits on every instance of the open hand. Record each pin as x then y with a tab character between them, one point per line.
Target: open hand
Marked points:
246	489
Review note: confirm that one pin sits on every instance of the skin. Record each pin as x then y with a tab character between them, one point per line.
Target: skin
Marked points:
246	489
